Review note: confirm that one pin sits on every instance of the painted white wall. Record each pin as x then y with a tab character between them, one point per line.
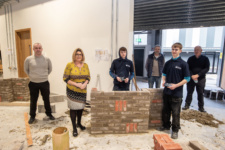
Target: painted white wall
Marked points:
62	26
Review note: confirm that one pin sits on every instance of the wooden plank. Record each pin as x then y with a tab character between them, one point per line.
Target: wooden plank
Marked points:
28	133
196	145
14	103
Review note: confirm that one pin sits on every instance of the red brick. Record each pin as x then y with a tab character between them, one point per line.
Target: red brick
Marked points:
20	97
155	121
157	101
121	106
19	84
131	127
124	105
117	106
160	139
135	127
127	128
171	146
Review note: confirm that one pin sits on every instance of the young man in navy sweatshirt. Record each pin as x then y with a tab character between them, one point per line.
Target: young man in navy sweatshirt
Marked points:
122	71
175	75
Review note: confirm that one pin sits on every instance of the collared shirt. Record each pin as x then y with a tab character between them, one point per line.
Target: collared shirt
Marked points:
175	71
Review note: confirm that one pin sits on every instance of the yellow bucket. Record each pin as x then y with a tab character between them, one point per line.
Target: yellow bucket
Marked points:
60	138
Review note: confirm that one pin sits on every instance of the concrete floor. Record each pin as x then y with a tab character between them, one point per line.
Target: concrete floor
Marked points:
13	132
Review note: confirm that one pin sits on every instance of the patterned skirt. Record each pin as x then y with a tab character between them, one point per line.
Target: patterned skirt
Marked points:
76	100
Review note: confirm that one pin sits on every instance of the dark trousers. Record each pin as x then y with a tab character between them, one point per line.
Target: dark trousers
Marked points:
34	93
121	87
200	91
171	105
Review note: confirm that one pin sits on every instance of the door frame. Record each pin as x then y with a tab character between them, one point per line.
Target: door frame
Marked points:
17	38
137	48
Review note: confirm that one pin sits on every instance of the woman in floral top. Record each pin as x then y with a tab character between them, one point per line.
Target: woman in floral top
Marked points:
77	76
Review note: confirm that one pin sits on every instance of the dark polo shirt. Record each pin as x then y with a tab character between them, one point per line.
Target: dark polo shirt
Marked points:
175	71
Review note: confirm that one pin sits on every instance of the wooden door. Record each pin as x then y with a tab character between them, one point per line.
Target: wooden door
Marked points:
23	49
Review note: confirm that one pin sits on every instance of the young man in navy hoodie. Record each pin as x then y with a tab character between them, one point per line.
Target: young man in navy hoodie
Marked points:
175	75
122	71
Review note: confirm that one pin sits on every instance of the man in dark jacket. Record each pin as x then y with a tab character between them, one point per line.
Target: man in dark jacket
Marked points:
122	71
154	66
198	66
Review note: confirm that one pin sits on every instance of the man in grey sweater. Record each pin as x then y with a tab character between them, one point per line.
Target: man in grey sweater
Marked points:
38	67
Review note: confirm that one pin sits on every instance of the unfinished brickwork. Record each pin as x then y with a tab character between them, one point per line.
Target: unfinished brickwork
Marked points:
21	89
125	112
155	110
119	112
15	89
6	90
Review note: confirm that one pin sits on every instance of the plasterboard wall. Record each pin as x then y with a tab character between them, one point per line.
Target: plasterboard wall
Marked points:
62	26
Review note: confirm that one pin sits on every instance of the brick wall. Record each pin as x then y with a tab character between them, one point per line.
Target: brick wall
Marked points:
15	89
155	111
6	91
20	89
119	112
125	112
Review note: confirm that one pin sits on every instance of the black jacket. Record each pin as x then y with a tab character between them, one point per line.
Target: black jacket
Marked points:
149	64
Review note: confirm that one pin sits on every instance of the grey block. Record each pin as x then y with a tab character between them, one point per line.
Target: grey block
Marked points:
41	109
56	98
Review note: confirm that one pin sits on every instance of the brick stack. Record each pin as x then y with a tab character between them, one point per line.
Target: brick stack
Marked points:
164	142
6	90
21	89
119	112
155	111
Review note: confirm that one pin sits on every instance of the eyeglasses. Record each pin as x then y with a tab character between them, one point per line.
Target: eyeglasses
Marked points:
79	54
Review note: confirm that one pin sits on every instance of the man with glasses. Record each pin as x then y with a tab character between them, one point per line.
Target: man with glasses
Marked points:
175	75
198	66
38	67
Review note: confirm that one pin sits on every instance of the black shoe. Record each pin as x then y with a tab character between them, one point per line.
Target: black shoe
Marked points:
51	117
201	110
31	120
185	107
174	135
162	129
81	127
75	134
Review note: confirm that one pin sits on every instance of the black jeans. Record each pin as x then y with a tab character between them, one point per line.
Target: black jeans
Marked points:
121	87
171	105
34	93
200	90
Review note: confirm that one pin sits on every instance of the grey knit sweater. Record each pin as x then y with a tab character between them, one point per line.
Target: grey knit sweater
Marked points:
37	68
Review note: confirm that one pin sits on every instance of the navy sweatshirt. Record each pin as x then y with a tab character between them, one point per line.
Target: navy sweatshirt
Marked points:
122	68
175	71
198	66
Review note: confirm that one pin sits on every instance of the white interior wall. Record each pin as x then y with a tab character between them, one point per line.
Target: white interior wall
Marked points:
62	26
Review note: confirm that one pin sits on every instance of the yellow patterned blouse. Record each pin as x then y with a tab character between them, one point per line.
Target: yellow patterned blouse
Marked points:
76	74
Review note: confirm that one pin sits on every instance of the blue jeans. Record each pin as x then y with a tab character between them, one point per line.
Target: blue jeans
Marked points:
154	79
